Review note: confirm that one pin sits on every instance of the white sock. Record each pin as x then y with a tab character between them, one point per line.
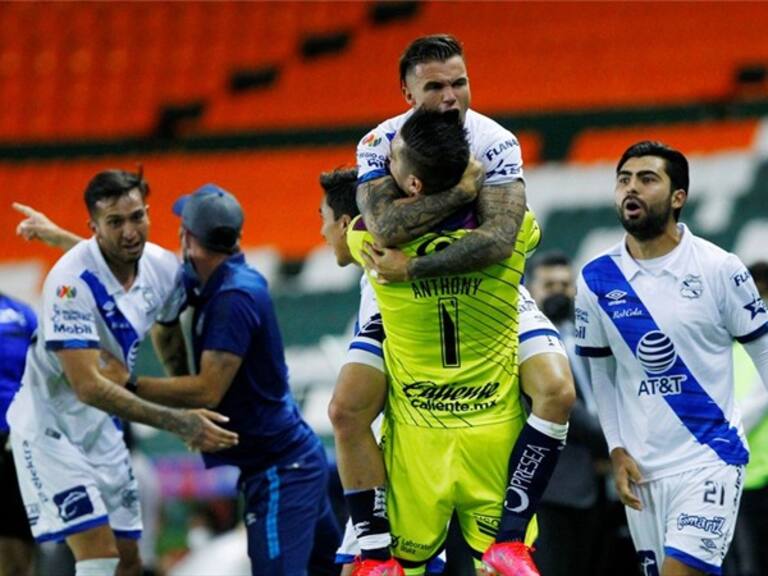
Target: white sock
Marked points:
97	567
551	429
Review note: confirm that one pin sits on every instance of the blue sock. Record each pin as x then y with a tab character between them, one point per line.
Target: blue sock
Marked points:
531	464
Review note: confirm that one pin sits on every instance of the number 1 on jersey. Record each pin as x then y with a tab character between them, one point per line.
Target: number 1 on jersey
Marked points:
448	312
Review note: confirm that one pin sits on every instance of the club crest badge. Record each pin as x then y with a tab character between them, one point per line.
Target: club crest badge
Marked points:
691	287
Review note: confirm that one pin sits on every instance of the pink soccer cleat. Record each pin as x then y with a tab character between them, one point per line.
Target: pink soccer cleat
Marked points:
371	567
509	559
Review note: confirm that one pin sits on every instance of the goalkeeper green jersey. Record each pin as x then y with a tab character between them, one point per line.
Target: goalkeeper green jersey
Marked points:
451	344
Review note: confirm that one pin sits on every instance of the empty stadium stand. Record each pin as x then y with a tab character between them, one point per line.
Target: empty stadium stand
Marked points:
74	71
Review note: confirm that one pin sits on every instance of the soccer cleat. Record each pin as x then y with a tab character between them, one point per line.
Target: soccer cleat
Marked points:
509	559
371	567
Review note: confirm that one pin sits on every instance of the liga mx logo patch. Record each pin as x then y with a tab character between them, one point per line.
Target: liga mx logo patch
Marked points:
66	292
73	503
372	140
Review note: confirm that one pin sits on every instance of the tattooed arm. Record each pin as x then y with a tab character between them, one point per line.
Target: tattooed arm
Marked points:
206	389
393	219
500	210
81	367
170	347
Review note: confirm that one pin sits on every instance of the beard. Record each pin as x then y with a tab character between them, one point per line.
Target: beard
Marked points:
649	226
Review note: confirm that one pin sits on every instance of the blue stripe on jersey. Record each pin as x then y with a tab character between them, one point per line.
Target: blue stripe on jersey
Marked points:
372	175
117	323
128	534
693	406
752	336
539	332
373	329
70	344
692	561
592	352
375	350
273	507
61	535
344	558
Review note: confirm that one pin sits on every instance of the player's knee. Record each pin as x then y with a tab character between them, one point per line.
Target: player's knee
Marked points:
129	567
346	420
555	400
672	567
565	394
130	558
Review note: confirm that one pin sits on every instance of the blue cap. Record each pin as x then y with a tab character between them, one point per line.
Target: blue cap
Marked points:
212	215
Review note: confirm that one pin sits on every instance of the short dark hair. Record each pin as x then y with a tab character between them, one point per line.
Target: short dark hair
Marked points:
546	259
113	184
340	187
433	48
436	148
675	163
759	272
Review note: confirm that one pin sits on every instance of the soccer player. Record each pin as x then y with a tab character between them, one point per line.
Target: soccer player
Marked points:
241	371
432	75
17	325
541	353
73	466
656	316
451	356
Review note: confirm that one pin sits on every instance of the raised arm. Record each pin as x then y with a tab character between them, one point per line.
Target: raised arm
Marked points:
393	219
37	226
81	367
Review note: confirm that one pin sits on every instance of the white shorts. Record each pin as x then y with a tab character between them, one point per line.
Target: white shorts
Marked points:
350	548
689	516
66	492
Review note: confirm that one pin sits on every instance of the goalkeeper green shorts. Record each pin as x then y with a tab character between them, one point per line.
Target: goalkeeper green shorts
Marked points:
434	471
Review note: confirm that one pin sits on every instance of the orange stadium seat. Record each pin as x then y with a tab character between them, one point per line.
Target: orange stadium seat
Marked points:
691	138
103	70
279	191
523	57
124	60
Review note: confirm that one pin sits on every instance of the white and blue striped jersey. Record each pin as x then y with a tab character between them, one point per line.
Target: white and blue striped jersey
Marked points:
84	306
489	142
670	324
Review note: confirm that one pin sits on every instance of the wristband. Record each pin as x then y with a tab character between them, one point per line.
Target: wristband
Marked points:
132	384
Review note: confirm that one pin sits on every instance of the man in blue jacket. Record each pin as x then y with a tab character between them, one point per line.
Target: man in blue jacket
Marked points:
240	369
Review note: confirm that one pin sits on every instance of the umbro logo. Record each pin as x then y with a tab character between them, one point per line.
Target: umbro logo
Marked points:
616	297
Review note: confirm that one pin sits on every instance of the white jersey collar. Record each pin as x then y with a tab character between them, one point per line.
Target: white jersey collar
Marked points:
105	273
677	257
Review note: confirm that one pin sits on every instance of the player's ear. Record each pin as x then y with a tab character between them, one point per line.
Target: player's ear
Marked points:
679	197
344	222
407	94
414	186
92	225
